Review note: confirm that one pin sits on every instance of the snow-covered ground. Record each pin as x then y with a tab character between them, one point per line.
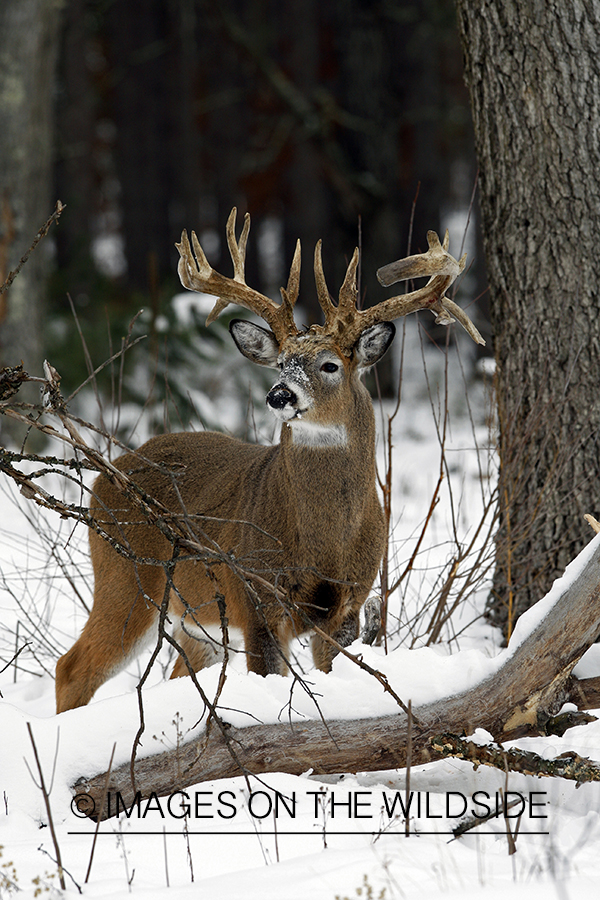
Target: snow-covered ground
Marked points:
289	837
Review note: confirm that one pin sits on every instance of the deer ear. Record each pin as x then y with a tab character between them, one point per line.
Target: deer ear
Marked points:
373	343
255	343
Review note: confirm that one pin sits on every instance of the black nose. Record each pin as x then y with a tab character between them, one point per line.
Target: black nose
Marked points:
280	396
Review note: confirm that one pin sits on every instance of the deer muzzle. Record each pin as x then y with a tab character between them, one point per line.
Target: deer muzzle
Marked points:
282	401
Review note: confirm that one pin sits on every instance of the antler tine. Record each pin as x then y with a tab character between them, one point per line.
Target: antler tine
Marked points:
196	274
437	261
192	271
237	251
464	320
289	294
348	290
323	295
293	286
343	317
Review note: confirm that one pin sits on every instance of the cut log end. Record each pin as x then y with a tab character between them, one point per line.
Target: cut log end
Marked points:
593	522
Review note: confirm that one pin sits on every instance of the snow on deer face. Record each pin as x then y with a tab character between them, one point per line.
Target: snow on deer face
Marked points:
312	395
317	384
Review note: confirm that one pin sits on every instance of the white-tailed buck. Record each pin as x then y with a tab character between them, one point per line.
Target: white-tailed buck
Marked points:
303	514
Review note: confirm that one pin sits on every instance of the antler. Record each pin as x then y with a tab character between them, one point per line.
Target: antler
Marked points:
346	322
197	274
438	263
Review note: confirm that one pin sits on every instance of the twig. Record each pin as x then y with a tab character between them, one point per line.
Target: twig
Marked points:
41	233
359	661
14	658
474	821
166	856
511	836
408	768
102	801
42	787
43	850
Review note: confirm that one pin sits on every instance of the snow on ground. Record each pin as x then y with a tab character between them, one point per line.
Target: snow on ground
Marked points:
289	837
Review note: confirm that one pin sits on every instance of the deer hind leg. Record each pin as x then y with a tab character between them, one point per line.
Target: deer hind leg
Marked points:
120	624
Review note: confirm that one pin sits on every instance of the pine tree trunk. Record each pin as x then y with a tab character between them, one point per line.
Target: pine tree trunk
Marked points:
76	173
30	33
141	50
533	73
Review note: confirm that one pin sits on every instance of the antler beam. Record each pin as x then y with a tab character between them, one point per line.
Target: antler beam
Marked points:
443	268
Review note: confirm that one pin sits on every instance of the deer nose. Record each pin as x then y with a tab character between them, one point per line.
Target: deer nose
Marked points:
280	397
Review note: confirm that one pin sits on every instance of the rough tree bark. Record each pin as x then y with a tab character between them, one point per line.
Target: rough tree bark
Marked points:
533	72
519	699
30	37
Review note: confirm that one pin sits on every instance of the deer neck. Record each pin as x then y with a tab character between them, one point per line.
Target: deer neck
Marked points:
331	470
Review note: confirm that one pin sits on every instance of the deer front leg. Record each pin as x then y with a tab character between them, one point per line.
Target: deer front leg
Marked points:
199	653
323	652
266	652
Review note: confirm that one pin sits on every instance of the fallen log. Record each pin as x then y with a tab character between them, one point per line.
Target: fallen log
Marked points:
532	681
571	766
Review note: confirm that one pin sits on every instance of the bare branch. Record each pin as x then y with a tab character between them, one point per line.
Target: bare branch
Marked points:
41	233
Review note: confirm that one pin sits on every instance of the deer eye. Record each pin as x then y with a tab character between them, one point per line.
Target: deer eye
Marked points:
329	367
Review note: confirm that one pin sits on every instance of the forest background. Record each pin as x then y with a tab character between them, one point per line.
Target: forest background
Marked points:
339	121
348	121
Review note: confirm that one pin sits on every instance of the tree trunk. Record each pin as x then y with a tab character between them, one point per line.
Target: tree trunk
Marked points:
77	113
519	698
143	55
533	73
30	34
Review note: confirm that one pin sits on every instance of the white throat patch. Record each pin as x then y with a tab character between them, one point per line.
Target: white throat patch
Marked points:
311	434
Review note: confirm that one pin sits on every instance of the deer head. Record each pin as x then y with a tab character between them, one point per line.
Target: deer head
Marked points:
317	363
